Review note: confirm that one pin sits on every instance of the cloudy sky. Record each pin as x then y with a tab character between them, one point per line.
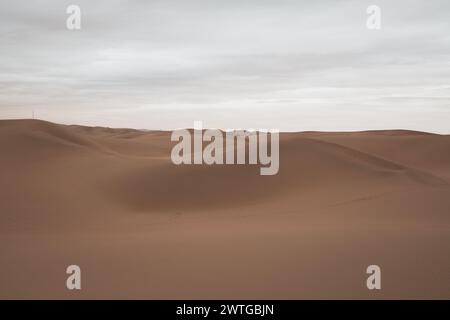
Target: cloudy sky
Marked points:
285	64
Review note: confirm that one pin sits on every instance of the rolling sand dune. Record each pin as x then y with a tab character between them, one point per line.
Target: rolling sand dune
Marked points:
112	202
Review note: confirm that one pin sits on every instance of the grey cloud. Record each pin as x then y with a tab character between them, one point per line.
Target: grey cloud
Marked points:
163	64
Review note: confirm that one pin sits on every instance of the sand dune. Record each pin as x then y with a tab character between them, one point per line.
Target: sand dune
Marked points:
111	201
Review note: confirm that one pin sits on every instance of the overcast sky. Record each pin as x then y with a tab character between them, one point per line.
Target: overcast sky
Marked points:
290	65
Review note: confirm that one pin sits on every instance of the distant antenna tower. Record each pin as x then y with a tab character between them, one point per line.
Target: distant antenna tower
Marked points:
33	114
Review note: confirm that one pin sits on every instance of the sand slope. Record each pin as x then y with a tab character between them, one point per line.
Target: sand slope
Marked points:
111	201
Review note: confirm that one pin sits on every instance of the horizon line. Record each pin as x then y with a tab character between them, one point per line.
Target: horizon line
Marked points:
229	129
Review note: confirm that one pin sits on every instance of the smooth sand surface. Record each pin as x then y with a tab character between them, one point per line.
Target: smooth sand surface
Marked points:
112	202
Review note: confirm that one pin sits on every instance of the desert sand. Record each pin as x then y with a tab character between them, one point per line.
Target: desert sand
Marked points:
112	202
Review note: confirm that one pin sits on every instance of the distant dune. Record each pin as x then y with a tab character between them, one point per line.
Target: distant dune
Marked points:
112	202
